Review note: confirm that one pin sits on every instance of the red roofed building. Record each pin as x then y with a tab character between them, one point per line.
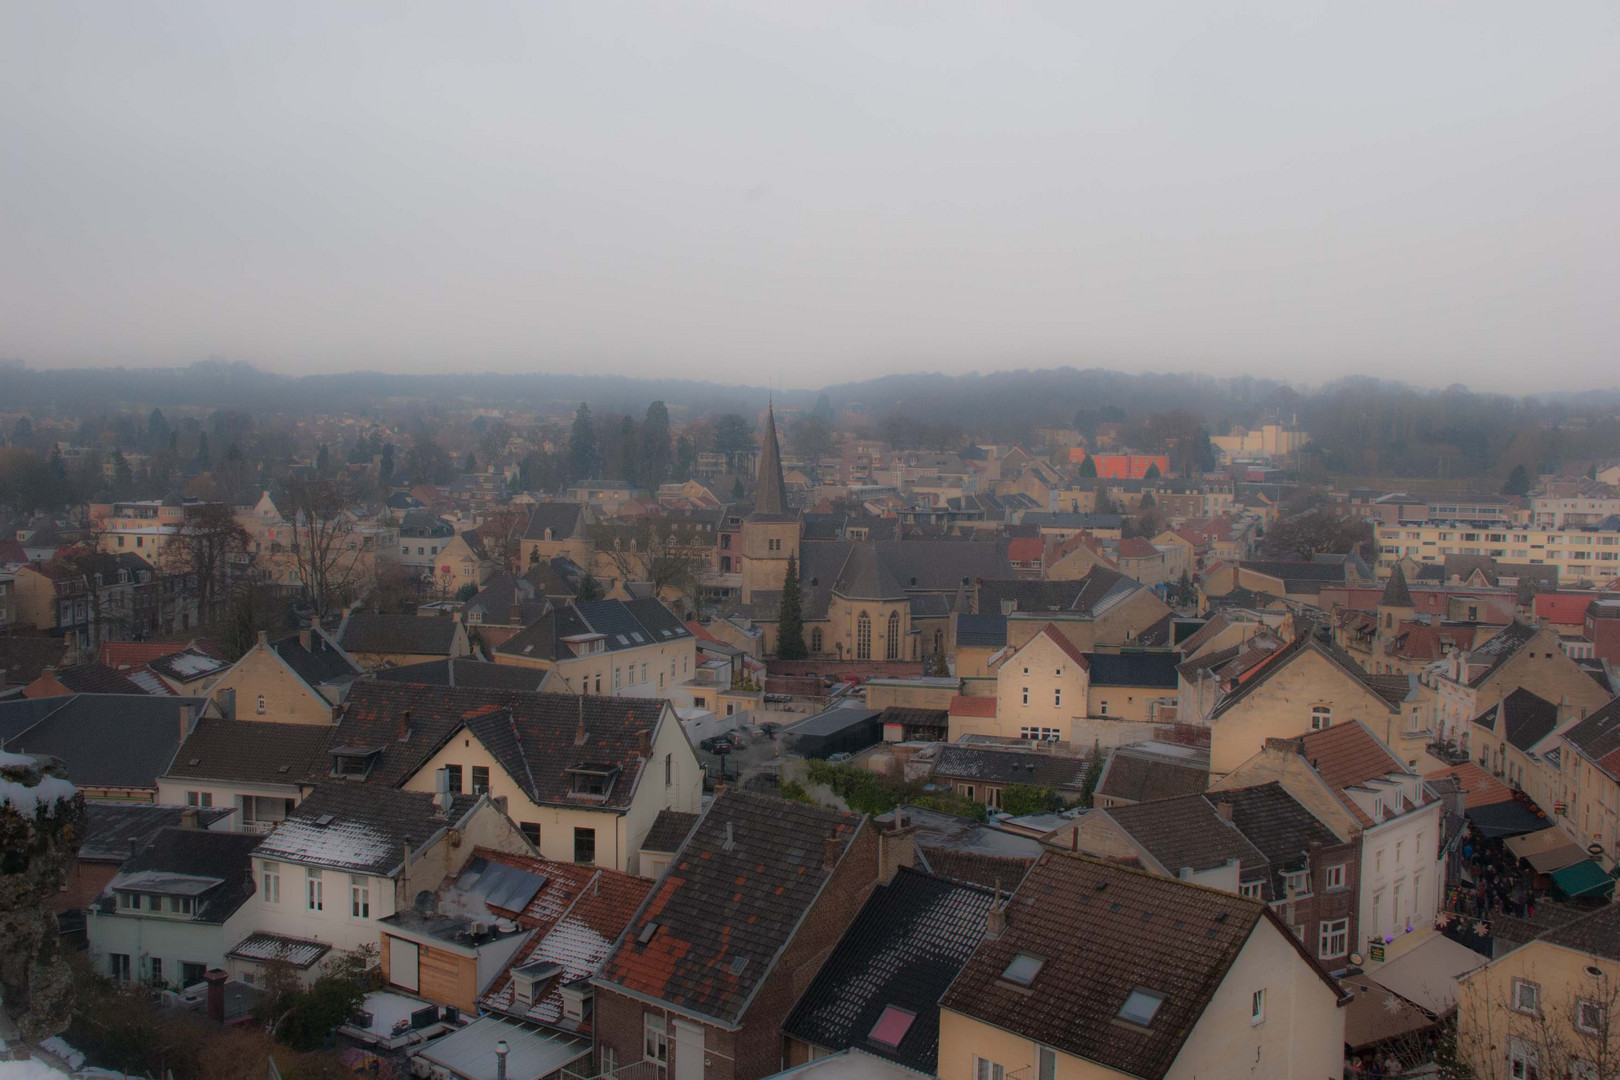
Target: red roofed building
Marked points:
1563	610
1123	466
1026	555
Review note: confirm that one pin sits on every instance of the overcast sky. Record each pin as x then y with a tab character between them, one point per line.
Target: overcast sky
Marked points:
810	192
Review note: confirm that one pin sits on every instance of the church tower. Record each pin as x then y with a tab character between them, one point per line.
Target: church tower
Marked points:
771	533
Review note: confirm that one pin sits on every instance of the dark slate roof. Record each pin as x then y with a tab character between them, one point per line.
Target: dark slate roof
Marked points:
1596	935
1503	646
532	736
110	740
1396	594
903	949
1522	719
669	830
1009	767
623	625
366	827
732	899
204	853
1311	576
1276	824
557	576
1142	777
906	717
321	664
18	714
23	656
1103	931
1188	832
981	630
364	632
1154	670
1597	738
562	518
1028	595
502	593
116	830
97	679
465	671
251	751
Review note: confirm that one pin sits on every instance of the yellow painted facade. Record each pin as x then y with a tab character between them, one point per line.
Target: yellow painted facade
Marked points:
1497	1034
263	687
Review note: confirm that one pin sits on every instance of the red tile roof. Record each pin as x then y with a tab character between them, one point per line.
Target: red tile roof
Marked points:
1562	609
1135	547
1346	755
973	706
1479	787
123	655
1053	634
1025	549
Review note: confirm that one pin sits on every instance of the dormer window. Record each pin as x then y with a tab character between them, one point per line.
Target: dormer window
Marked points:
353	762
591	780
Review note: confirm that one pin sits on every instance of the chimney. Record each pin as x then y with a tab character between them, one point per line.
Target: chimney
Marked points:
644	742
995	920
264	637
190	818
579	732
185	722
831	848
1185	873
1224	809
897	847
215	978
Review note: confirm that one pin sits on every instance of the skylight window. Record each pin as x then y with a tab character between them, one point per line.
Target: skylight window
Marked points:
892	1026
1141	1007
1023	969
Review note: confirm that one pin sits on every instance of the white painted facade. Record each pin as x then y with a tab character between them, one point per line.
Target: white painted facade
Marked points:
161	945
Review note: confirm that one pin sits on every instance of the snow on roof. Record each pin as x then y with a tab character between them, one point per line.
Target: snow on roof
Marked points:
265	946
342	844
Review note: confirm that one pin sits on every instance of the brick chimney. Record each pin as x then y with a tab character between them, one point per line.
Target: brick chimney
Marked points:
644	742
215	978
897	847
1224	808
185	722
831	847
190	818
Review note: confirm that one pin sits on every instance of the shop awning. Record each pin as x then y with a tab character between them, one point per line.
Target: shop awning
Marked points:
1545	851
1585	878
1427	976
1503	819
1377	1013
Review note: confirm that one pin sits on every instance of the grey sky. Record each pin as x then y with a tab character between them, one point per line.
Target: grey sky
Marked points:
809	192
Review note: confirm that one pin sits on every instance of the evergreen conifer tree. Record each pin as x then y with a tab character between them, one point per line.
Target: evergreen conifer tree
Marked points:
790	625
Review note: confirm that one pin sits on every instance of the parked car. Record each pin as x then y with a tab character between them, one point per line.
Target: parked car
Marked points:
838	758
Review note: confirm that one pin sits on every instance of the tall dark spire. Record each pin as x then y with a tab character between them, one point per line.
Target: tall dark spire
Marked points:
1396	594
771	498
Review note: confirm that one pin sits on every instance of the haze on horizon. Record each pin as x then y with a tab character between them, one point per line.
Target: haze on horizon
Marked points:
805	194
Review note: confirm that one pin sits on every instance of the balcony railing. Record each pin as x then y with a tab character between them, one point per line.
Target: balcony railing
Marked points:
636	1070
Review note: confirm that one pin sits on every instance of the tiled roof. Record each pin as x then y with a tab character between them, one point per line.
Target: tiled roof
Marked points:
972	706
1347	755
937	719
902	950
578	940
1203	662
1257	675
1139	777
533	736
364	632
262	945
1101	932
731	900
1009	767
562	518
188	665
110	740
1136	547
1479	787
1153	670
1596	935
1275	823
669	830
252	751
23	656
121	655
1188	832
623	625
976	867
365	829
97	679
200	853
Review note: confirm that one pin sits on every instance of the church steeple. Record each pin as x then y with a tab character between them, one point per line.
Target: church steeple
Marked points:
771	498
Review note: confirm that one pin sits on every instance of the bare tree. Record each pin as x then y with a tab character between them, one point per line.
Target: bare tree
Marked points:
503	534
666	556
1544	1031
212	548
326	548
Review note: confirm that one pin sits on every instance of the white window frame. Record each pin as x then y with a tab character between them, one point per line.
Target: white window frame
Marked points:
655	1040
1334	877
270	878
1257	1006
985	1069
1597	1025
1523	990
1523	1060
1321	717
1332	939
315	891
359	897
1251	890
